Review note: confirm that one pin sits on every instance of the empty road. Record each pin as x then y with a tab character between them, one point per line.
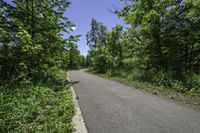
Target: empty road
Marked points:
112	107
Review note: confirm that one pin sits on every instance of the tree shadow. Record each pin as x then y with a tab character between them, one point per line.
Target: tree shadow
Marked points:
74	82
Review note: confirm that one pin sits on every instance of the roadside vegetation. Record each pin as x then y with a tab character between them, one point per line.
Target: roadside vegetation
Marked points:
159	45
36	108
34	59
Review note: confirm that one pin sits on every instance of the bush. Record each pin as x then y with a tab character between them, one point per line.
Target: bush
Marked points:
36	108
136	74
192	81
110	73
178	86
162	79
55	77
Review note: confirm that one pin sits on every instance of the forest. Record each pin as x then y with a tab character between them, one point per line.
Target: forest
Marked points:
34	59
159	44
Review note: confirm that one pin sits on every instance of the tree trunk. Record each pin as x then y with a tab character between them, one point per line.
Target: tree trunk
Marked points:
186	57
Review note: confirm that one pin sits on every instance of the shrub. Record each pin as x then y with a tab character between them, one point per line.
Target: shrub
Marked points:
162	79
36	108
136	74
110	72
178	86
55	77
192	81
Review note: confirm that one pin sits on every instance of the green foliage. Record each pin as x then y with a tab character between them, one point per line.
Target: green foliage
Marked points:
76	60
160	45
34	58
192	81
99	60
56	78
82	60
162	78
32	39
36	108
96	34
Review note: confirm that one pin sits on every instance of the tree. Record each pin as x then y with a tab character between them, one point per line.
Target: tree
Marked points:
115	46
160	45
31	39
97	33
164	27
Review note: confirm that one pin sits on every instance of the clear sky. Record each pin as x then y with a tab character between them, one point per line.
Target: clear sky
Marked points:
81	12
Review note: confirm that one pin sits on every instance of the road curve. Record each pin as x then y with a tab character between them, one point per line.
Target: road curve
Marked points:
112	107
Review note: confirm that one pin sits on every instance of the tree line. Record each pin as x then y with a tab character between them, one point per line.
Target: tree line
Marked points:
32	45
160	43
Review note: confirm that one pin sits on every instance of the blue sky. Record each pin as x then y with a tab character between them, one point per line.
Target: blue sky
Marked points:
81	12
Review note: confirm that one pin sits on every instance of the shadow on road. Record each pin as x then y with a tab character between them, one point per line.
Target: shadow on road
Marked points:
74	82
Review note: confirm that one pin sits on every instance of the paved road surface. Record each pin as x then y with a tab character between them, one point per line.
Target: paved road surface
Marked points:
112	107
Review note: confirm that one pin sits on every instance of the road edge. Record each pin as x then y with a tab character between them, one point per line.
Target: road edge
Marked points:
172	96
78	121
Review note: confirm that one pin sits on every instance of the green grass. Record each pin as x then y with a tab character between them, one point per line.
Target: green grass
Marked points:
36	108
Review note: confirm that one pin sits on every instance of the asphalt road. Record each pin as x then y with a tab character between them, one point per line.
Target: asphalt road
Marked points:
112	107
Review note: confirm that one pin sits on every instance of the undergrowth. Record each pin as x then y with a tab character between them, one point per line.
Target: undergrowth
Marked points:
36	108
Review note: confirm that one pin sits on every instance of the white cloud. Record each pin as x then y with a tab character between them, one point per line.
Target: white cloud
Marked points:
73	28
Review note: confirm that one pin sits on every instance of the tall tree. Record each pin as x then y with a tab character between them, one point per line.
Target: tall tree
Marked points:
35	30
97	33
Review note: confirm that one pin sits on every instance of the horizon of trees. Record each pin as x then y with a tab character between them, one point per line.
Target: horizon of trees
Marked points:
161	45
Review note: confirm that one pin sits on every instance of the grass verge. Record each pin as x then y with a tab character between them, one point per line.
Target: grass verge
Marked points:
170	94
36	108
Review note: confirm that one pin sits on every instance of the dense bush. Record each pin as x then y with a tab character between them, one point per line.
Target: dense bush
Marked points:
192	81
36	108
55	77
